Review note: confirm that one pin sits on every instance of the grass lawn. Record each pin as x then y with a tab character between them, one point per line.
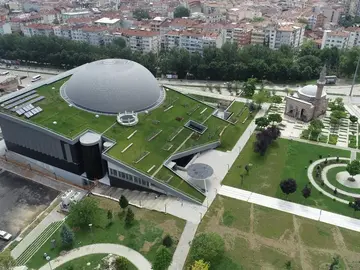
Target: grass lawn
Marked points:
170	178
81	263
70	120
284	159
144	236
263	238
331	176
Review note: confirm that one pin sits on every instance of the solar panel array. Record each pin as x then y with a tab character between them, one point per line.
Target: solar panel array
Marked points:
18	98
21	101
27	103
32	112
25	109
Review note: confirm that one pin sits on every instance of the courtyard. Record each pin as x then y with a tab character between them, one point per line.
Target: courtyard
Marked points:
261	238
21	201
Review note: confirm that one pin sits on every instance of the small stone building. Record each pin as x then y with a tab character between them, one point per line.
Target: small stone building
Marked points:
309	102
8	83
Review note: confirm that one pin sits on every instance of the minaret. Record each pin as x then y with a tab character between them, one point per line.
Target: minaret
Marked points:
318	110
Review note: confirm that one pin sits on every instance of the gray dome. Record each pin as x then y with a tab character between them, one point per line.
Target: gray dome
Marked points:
113	85
310	90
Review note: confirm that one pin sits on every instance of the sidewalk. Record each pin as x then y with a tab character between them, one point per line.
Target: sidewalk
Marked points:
291	208
133	256
183	246
53	216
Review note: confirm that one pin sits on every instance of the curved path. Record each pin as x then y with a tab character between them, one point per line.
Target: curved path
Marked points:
133	256
326	181
316	185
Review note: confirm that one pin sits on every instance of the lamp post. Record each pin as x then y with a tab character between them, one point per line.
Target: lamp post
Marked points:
48	260
356	71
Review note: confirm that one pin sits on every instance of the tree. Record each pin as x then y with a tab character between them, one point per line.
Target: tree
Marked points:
200	265
306	192
315	128
260	97
288	186
109	216
353	168
249	87
7	262
129	218
276	99
353	119
167	241
181	11
209	247
275	117
121	263
67	236
84	213
335	263
265	138
217	88
123	202
140	14
337	105
262	122
162	259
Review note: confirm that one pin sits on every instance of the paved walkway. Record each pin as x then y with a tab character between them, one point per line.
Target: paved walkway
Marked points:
315	184
183	246
133	256
53	216
339	190
292	208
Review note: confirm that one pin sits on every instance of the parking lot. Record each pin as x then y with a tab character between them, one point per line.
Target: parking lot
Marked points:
21	200
27	81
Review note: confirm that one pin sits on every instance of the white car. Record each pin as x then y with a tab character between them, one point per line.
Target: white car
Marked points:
5	236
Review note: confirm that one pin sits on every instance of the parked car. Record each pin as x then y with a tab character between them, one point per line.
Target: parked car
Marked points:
4	73
5	236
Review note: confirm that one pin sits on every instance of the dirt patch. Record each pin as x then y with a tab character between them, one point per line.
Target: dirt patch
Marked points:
121	237
169	227
146	247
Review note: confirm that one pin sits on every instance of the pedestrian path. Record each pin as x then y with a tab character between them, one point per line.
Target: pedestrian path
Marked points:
38	243
292	208
133	256
36	235
183	246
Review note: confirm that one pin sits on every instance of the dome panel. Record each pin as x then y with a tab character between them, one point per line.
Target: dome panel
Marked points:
113	85
310	91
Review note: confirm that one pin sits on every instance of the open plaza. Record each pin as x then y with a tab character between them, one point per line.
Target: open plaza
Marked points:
186	162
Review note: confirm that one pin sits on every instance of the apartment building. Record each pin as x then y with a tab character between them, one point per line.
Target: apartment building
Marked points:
257	36
143	40
338	39
75	14
5	28
291	34
193	40
38	30
354	37
17	22
239	34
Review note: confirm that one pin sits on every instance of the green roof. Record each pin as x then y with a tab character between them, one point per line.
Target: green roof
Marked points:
159	133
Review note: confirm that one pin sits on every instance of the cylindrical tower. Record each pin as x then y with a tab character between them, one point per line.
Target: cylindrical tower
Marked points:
91	153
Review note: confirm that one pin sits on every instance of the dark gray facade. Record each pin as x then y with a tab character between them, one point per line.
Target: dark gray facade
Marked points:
33	143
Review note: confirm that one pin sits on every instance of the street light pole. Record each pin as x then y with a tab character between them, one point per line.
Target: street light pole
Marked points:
356	71
48	259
